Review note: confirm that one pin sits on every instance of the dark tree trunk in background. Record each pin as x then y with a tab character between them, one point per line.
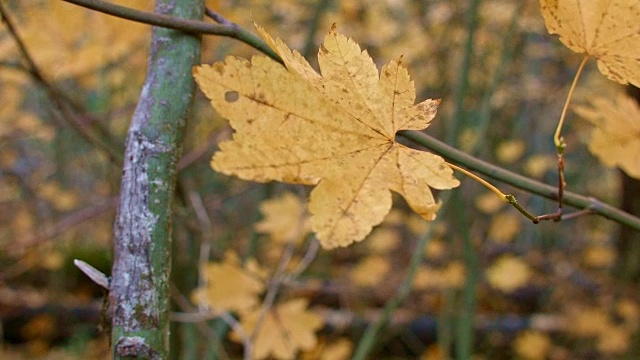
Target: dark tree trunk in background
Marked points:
629	242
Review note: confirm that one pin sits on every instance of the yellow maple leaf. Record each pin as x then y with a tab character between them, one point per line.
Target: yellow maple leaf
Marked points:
615	138
287	328
335	130
230	285
284	218
607	30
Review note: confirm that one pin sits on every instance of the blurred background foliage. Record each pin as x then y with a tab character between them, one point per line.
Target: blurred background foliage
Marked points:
490	285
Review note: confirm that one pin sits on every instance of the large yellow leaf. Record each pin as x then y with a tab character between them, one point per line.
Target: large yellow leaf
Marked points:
615	139
607	30
336	130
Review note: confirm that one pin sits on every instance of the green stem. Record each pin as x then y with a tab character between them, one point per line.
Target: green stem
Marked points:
368	340
465	321
557	137
462	84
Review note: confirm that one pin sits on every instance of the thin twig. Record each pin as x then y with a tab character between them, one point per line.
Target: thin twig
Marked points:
368	339
274	286
205	229
189	315
218	17
521	182
59	100
63	225
175	23
306	260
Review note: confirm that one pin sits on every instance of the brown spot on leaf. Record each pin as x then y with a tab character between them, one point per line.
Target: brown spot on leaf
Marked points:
231	96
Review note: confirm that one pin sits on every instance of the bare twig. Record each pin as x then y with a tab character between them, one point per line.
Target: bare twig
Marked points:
63	225
521	182
175	23
306	260
217	17
189	315
62	102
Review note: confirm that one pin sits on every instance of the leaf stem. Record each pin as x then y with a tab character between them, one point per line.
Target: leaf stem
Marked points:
480	180
507	198
557	138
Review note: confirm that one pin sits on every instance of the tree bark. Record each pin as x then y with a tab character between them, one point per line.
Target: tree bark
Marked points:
139	288
629	241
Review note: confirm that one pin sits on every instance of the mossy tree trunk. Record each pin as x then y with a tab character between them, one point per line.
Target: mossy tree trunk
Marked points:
139	288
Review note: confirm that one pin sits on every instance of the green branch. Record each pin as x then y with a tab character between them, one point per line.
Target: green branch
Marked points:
171	22
521	182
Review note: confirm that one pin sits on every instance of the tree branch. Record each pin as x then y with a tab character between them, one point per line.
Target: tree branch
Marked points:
521	182
171	22
454	155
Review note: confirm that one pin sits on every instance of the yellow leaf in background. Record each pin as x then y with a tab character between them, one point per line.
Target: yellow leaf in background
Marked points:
608	30
61	199
588	322
336	131
615	138
510	151
489	203
629	311
370	271
614	340
284	218
599	256
287	329
504	227
52	261
508	273
71	50
452	276
230	285
532	345
417	225
537	165
434	352
339	349
436	249
383	240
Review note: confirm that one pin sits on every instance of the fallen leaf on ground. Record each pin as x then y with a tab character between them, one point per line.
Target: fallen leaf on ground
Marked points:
287	328
370	271
532	345
508	273
230	285
335	130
